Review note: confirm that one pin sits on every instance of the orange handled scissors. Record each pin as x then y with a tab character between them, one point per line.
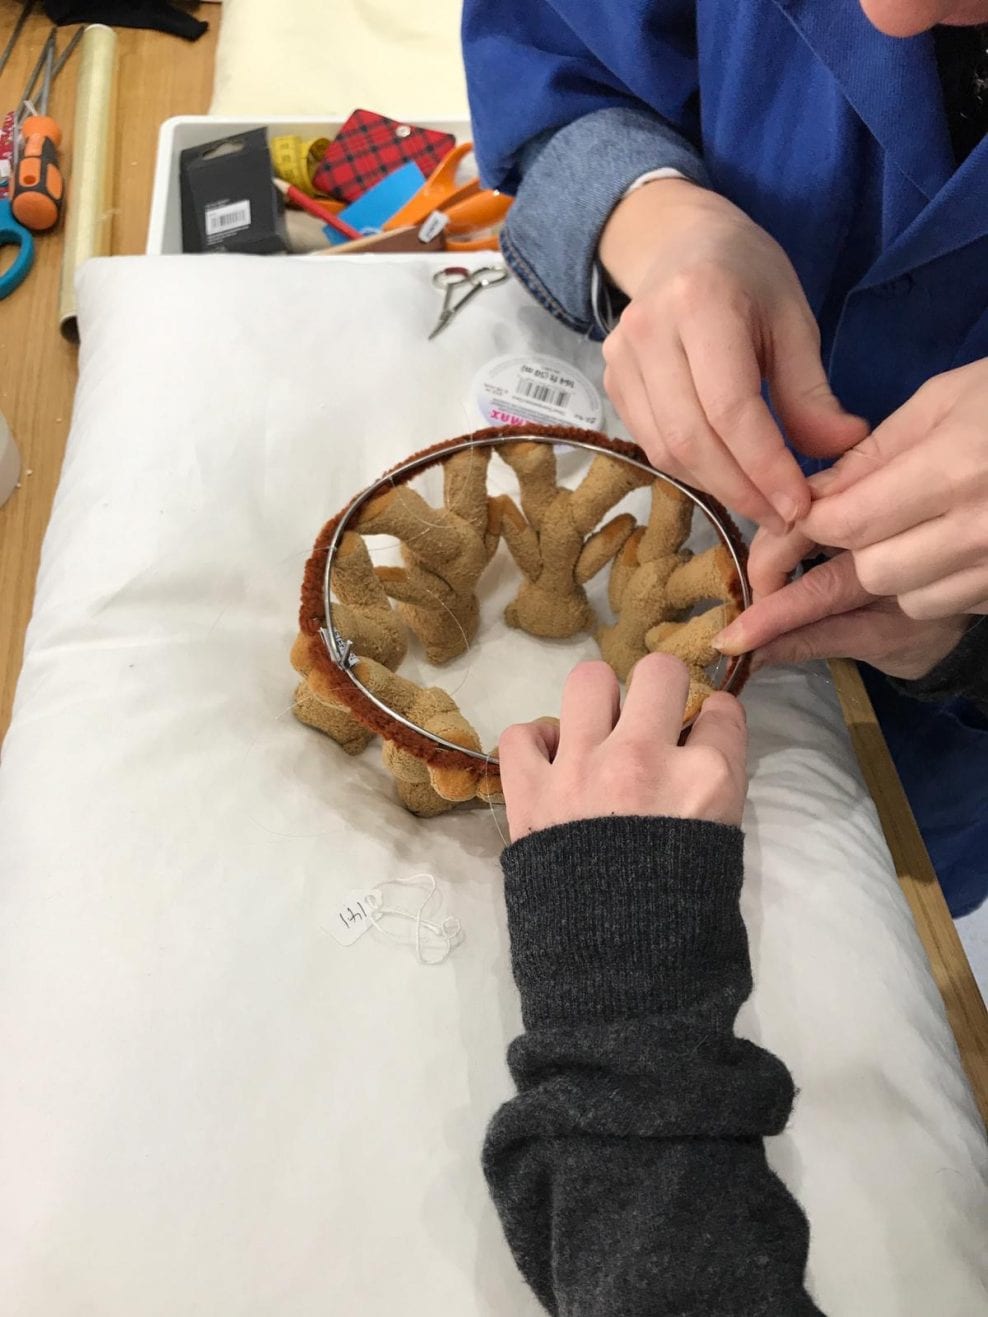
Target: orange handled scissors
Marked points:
441	205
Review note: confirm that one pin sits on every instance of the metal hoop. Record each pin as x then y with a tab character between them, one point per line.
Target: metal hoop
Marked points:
341	650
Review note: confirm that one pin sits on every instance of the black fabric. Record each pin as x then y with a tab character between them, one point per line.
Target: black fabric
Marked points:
156	14
962	61
629	1171
964	672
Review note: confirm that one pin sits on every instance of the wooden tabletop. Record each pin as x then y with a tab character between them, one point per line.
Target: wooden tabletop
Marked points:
160	76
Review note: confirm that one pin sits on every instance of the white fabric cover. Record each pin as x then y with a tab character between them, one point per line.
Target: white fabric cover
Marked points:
319	58
207	1104
399	59
973	930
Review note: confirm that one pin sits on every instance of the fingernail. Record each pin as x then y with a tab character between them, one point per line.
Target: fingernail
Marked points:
729	641
787	508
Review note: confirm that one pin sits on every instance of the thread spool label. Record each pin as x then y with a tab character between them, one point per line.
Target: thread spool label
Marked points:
545	390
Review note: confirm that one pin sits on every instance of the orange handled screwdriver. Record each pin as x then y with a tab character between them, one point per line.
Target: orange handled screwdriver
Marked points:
38	187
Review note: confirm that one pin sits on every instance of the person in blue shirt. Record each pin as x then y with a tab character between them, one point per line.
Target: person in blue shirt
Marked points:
775	215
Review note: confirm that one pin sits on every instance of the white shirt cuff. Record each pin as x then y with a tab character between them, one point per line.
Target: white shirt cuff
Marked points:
651	177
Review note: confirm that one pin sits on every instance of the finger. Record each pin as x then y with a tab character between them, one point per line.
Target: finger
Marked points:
813	417
655	701
626	389
687	438
546	735
922	556
591	704
863	633
528	745
525	752
773	558
903	430
721	725
728	382
831	588
964	592
913	487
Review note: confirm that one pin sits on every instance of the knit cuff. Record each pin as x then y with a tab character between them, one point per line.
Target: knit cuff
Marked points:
622	917
963	672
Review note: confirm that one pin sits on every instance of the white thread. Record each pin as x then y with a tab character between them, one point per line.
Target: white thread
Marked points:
490	806
447	933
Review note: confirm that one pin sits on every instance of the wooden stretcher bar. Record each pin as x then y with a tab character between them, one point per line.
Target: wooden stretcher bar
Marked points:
966	1009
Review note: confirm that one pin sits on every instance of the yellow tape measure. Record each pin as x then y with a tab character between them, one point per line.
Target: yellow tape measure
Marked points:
295	160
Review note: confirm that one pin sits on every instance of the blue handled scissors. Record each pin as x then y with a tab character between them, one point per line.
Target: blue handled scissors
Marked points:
12	234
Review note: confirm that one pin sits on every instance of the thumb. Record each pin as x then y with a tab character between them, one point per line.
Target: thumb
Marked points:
525	744
811	414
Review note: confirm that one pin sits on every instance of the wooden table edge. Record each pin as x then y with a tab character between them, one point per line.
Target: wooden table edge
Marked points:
949	965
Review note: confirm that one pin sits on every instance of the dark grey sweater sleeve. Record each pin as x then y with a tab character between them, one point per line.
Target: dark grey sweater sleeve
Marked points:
963	672
629	1171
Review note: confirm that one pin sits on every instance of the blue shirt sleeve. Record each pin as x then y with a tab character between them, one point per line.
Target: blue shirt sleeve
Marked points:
554	124
536	65
571	180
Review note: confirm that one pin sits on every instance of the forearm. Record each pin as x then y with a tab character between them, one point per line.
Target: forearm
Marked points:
627	241
629	1171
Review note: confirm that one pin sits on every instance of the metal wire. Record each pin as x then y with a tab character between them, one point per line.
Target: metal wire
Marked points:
25	14
341	650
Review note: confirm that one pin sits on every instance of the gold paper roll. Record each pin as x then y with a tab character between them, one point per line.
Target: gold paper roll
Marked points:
89	201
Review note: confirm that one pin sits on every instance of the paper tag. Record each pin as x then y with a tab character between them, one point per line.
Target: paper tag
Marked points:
354	916
227	218
433	226
546	390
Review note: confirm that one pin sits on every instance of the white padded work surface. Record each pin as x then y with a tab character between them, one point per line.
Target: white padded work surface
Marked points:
313	57
206	1103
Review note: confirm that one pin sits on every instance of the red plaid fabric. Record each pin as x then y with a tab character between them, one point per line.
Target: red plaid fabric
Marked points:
369	146
6	150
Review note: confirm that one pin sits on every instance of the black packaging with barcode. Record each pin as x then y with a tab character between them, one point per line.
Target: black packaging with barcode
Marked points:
229	201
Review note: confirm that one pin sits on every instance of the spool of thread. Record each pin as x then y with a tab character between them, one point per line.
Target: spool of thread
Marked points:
10	462
89	208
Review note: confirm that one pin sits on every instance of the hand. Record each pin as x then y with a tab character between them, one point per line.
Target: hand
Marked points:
910	503
716	307
828	614
600	760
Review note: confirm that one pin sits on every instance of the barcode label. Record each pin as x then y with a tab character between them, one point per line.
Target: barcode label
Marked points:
227	218
546	390
544	393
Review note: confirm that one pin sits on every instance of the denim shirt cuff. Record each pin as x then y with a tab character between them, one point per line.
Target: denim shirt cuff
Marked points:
571	181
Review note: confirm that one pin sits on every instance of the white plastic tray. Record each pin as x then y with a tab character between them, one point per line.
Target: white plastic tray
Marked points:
177	134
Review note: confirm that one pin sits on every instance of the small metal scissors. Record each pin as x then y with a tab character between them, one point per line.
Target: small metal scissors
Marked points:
458	276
